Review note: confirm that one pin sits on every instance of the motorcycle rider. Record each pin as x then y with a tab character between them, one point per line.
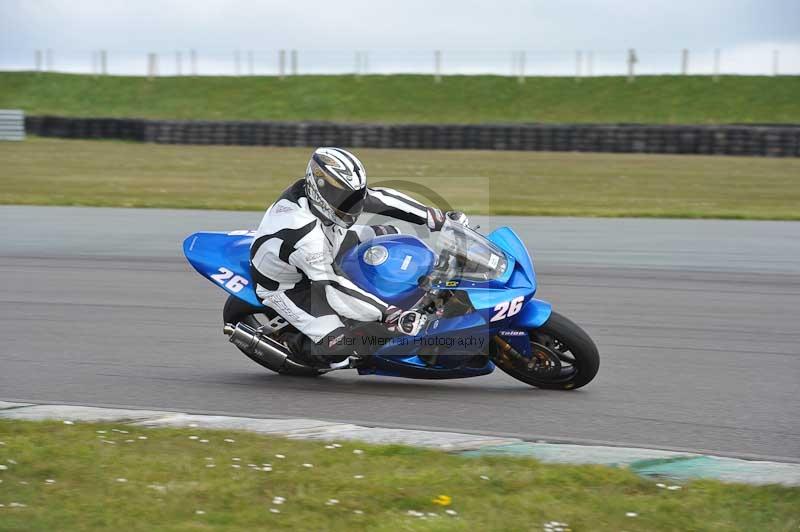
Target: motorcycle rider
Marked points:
300	236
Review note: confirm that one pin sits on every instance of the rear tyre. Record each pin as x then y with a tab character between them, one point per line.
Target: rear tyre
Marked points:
237	311
563	357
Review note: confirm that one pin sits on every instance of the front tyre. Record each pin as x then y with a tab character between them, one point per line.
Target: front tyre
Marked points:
563	357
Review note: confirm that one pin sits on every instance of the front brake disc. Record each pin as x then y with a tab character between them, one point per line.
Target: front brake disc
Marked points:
543	361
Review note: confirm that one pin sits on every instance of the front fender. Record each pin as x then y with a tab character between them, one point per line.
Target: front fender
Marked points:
533	315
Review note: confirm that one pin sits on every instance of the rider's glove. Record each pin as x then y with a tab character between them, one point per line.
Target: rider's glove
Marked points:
436	218
457	217
409	322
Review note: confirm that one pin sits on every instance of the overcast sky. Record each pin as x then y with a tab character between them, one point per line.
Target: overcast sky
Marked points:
72	28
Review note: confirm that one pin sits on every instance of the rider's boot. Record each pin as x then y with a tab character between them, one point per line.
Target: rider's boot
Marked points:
355	344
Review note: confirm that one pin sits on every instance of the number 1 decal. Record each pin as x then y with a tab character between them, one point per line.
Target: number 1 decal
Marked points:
232	282
506	309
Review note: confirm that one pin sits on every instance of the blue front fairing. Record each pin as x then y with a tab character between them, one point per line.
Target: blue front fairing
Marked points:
517	281
535	311
509	242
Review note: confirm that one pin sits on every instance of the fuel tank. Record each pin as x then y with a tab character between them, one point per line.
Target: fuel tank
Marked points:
389	266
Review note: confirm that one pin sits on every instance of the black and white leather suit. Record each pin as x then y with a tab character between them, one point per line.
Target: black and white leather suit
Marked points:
292	263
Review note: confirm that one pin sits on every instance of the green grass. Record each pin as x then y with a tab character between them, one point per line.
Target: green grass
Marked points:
110	173
407	98
167	482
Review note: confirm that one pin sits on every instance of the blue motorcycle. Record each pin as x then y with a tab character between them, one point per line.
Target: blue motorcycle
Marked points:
476	291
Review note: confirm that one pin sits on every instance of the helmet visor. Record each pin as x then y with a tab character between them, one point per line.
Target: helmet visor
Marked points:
346	204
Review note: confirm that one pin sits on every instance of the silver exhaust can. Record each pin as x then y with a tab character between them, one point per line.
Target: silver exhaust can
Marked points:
251	341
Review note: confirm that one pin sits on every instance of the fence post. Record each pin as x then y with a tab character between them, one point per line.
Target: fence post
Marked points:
251	70
685	62
521	78
281	64
632	60
578	65
103	62
775	59
715	77
437	66
294	62
152	65
38	60
193	62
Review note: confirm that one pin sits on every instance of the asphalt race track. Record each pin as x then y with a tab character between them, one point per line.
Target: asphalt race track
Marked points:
696	321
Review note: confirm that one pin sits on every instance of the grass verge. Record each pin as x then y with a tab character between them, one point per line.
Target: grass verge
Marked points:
120	174
115	476
410	98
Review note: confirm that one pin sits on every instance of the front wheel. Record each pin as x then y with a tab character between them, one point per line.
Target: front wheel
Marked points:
563	357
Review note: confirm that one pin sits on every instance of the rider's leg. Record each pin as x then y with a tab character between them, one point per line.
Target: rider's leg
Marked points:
305	307
324	337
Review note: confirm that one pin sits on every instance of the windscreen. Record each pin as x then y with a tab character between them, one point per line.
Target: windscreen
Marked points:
465	254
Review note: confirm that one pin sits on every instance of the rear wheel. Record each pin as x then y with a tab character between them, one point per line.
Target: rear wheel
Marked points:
237	311
563	357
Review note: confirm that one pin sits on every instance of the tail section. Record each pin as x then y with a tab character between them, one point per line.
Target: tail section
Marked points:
224	259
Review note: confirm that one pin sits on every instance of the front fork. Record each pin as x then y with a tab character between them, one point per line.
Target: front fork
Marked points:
502	352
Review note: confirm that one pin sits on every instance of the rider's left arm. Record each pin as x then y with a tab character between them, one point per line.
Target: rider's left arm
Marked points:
390	202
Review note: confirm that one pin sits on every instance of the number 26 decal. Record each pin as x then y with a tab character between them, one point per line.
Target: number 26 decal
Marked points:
506	309
232	282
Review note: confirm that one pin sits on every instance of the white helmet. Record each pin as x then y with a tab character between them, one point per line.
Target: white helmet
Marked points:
336	185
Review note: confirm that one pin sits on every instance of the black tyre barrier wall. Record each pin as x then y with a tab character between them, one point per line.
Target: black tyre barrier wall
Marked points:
763	140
